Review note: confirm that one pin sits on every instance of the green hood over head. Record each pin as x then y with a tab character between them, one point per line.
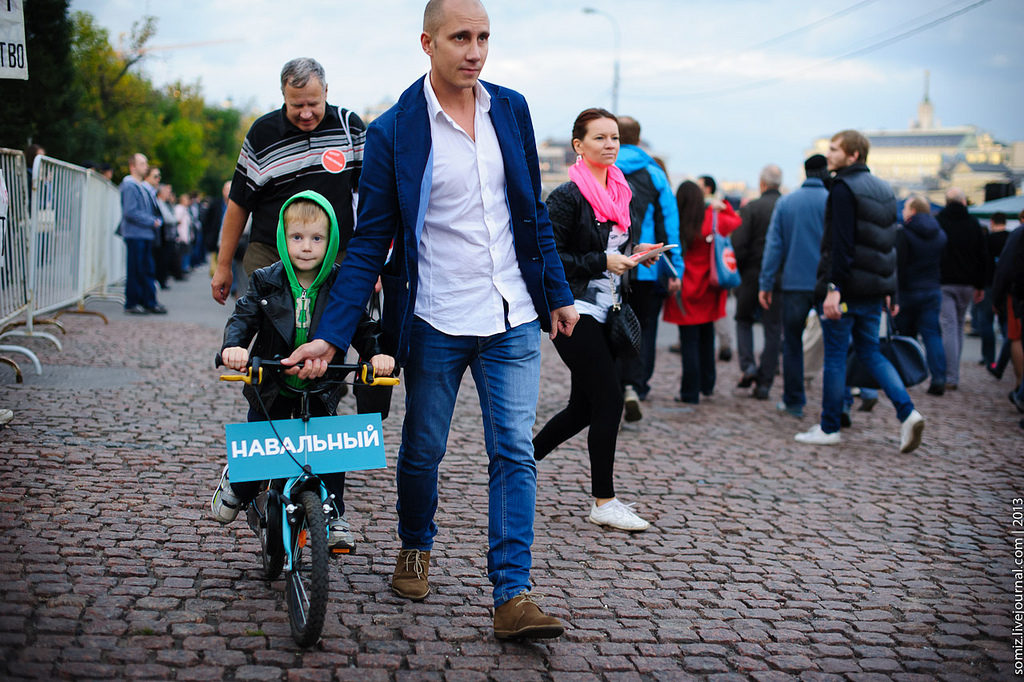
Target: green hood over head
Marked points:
333	236
305	299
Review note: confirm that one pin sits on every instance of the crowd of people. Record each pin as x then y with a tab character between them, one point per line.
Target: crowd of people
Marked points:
473	262
166	236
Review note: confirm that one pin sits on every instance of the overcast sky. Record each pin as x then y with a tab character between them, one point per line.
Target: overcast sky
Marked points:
719	87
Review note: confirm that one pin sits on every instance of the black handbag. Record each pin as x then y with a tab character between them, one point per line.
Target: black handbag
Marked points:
904	352
623	328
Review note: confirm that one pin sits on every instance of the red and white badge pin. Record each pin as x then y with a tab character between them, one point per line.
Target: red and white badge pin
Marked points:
333	160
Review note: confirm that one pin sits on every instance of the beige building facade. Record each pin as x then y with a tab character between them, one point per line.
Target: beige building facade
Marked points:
929	159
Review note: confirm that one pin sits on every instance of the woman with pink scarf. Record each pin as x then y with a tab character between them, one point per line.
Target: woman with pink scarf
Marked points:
593	234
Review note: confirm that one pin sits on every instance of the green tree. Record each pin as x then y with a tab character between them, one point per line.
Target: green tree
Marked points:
180	144
117	111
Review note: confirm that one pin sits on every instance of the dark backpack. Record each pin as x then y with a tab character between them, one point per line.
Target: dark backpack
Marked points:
645	194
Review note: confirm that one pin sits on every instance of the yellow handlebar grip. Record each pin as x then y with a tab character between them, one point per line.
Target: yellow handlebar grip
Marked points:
244	378
385	381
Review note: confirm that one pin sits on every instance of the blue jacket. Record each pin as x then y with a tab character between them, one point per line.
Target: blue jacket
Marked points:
631	159
139	218
919	247
793	241
394	190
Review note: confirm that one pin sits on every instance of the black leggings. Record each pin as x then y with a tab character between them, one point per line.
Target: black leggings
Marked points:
595	400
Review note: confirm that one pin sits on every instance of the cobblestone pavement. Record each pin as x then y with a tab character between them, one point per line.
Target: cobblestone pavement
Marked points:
766	560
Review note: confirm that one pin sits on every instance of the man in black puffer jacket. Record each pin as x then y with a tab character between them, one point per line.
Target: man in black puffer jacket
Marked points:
856	274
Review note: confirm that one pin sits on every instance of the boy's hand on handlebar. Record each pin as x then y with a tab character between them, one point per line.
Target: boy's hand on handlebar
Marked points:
309	361
235	358
383	365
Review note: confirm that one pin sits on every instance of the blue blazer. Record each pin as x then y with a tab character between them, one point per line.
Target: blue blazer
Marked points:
394	189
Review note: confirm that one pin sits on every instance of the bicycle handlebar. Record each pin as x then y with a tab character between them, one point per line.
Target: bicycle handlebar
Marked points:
254	372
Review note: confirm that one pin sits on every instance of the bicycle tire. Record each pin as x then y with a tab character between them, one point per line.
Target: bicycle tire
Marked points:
308	579
270	542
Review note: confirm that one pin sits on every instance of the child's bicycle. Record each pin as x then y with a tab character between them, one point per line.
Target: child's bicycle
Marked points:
290	515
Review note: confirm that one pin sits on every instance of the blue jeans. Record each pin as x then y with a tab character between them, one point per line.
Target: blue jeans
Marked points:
506	369
795	306
139	285
860	323
919	314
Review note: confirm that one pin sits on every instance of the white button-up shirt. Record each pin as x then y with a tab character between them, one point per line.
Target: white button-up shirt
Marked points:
467	260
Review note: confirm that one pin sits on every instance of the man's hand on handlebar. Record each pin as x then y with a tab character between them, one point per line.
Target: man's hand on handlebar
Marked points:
235	358
309	361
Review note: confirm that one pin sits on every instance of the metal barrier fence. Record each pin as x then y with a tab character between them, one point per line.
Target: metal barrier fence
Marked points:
64	250
74	214
14	290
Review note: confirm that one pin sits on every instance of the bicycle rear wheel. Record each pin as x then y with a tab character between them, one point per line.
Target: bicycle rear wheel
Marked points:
308	579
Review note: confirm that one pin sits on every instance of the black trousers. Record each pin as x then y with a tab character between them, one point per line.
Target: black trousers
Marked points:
646	299
595	400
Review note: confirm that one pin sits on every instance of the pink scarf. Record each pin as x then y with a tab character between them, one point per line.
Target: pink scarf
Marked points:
611	203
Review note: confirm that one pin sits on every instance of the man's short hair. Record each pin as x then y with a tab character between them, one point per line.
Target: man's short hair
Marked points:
918	204
771	176
708	182
433	15
305	211
998	218
955	195
297	73
629	130
853	142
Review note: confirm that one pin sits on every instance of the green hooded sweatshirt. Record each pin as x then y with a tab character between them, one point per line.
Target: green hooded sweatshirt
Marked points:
305	299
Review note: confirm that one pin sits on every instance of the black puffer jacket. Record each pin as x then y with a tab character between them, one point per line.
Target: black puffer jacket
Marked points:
267	312
965	258
580	239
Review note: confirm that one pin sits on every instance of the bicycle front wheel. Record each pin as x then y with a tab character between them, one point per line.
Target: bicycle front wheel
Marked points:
308	579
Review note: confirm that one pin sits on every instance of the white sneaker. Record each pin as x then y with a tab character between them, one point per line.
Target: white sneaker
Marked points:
616	515
632	404
340	535
6	416
815	436
910	432
224	503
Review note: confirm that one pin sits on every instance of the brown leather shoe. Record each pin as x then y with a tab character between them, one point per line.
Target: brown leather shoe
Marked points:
410	578
520	617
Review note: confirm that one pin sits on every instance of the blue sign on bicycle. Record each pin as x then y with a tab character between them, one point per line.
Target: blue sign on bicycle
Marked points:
327	444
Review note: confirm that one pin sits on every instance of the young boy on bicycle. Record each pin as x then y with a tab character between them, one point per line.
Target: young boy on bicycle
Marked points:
281	308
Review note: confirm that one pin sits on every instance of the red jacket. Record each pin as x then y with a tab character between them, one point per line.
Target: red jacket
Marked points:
703	302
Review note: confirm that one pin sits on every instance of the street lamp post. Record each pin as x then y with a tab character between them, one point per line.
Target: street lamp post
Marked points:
615	68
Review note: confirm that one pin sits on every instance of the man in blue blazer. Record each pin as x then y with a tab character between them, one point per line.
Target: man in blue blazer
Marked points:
451	184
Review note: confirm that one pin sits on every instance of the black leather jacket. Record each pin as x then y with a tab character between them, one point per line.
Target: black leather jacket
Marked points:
581	241
267	312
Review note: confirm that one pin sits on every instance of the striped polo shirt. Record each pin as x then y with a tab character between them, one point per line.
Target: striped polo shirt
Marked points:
278	160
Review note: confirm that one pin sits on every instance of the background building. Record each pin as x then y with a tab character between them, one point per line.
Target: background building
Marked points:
929	159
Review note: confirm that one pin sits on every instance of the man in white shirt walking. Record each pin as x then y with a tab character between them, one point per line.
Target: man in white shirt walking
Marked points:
450	175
